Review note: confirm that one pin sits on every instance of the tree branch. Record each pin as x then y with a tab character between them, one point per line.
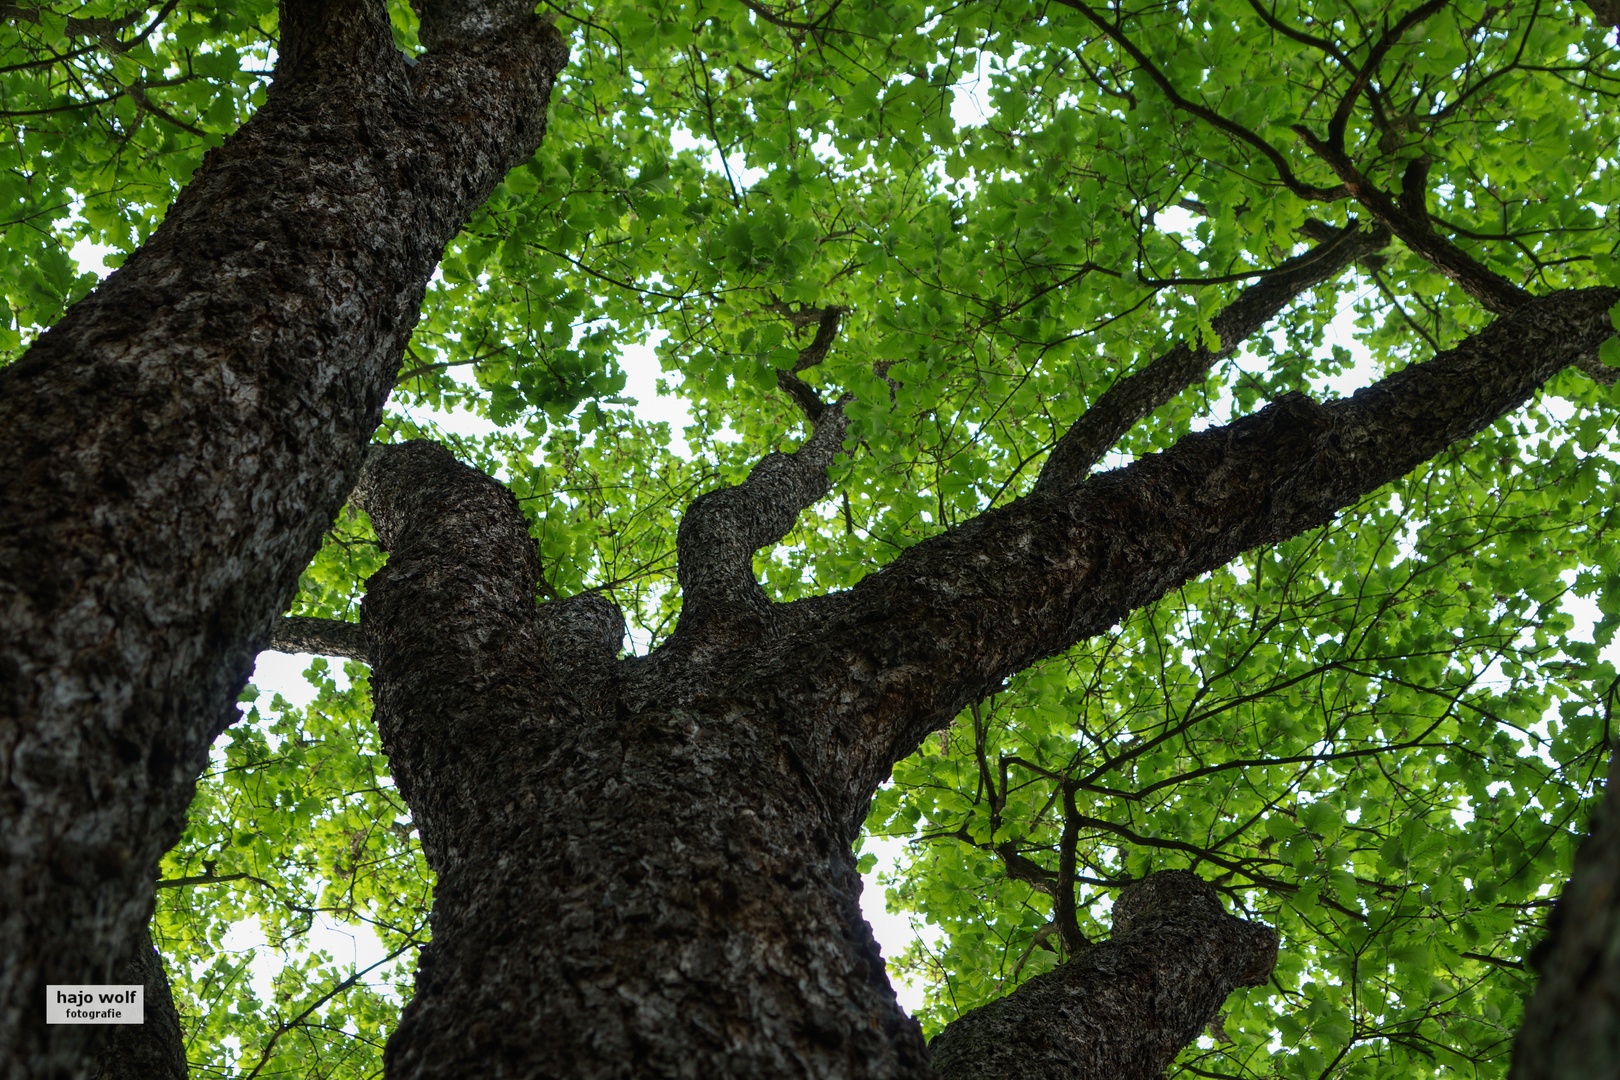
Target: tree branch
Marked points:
1120	1010
1341	115
1409	220
453	633
323	637
826	320
451	22
953	616
326	40
720	532
1206	114
1130	399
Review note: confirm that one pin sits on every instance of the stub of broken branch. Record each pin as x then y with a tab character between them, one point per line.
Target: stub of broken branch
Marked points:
323	637
1120	1010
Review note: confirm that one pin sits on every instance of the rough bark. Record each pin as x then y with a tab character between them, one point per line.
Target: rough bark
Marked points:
644	863
1571	1028
155	1049
171	451
624	889
868	673
324	637
1122	1009
1136	395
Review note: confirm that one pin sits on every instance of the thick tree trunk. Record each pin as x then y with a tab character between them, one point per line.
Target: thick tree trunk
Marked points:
155	1049
631	882
644	864
171	451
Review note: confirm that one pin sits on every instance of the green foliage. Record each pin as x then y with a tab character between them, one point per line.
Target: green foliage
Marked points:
1381	738
295	824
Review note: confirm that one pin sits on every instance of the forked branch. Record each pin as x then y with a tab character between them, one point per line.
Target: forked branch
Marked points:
1409	220
1130	399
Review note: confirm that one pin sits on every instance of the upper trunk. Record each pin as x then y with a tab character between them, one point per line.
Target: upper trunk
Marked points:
638	880
172	450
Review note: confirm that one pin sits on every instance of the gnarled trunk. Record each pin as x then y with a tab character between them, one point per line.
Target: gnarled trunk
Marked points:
644	864
639	873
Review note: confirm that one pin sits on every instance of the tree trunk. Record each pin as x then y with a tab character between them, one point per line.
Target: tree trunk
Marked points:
1571	1028
172	450
156	1048
644	864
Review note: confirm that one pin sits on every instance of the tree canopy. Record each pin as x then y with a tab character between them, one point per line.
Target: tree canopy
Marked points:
969	222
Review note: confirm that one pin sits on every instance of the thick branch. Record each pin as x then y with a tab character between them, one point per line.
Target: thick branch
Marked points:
721	531
955	615
334	40
458	535
323	637
1120	1010
452	22
453	633
1135	396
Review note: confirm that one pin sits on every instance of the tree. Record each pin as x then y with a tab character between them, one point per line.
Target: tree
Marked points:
643	864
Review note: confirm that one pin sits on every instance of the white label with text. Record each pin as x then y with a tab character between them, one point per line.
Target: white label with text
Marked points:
85	1003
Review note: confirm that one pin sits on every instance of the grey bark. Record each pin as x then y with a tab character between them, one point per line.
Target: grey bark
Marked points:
155	1049
171	451
644	863
1122	1009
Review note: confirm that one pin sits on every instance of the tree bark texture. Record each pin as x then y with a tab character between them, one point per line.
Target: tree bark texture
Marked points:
324	637
155	1049
644	863
172	450
1571	1028
1123	1008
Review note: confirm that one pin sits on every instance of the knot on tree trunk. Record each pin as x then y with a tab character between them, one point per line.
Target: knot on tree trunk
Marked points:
1120	1010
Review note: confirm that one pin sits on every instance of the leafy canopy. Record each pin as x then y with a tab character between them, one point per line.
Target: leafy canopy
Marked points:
1383	737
